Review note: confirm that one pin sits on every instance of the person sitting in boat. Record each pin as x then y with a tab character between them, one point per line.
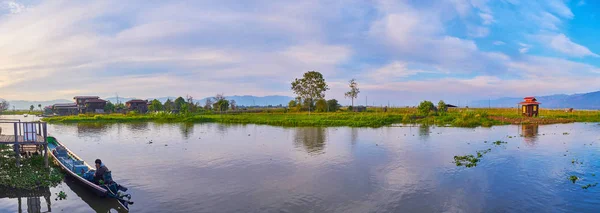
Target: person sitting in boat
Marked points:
101	170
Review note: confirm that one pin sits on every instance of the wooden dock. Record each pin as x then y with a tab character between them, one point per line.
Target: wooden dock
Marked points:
26	138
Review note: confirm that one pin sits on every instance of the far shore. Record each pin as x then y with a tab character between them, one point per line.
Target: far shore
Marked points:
374	117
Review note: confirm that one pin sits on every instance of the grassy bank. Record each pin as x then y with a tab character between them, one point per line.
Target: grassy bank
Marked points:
30	175
372	118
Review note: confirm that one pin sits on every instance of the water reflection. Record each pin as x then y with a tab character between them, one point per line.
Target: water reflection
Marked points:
424	131
92	128
186	129
530	133
94	201
141	126
32	198
353	135
312	139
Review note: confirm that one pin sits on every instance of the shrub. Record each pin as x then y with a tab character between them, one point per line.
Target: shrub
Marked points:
321	105
425	107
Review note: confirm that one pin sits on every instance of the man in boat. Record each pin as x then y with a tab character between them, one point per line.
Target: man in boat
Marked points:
101	169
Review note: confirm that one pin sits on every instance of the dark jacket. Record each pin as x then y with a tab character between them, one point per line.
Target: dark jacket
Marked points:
99	175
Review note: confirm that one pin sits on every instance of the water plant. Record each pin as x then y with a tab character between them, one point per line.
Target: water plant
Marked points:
61	195
498	143
30	175
589	185
466	160
573	178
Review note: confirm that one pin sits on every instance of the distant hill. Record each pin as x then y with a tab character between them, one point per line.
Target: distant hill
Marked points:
245	100
577	101
20	104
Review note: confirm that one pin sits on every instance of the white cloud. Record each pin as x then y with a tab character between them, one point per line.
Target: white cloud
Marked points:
393	71
559	7
498	43
486	18
581	3
564	45
524	48
14	7
478	32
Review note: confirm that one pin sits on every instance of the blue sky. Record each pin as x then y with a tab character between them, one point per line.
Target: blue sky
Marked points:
399	51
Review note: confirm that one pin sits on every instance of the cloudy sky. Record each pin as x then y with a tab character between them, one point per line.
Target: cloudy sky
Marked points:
399	51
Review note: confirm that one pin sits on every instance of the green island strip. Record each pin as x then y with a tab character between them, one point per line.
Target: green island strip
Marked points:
375	117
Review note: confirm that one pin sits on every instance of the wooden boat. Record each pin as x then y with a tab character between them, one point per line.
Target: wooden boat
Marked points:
81	171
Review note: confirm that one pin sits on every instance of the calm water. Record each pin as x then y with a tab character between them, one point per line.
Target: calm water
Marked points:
252	168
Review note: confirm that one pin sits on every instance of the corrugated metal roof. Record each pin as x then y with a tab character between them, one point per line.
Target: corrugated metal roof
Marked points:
136	101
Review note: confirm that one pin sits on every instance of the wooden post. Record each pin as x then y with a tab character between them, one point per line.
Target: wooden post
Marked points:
16	145
45	132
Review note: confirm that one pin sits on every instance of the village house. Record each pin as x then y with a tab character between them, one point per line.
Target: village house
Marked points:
89	104
65	109
137	105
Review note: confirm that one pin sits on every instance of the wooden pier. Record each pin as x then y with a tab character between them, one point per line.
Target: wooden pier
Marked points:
26	137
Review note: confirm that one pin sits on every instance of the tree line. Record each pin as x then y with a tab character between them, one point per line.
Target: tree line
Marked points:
218	103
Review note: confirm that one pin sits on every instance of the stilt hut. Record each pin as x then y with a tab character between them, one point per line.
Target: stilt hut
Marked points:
530	107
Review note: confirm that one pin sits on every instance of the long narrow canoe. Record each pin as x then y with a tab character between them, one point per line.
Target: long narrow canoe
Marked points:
81	171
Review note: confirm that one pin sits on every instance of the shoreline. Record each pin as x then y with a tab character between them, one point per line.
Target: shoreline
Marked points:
453	118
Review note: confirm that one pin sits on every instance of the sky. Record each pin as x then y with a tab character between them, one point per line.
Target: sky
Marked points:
400	52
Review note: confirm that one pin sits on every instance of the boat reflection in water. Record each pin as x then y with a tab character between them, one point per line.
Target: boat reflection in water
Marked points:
96	203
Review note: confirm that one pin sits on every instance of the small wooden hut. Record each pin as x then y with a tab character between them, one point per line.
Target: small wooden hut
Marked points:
530	107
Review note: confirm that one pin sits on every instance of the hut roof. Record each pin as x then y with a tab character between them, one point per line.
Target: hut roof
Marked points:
86	97
450	106
95	101
136	101
530	101
65	105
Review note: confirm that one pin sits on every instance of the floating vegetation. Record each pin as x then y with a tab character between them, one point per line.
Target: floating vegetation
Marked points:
573	178
470	160
565	133
498	143
589	185
61	195
466	160
30	175
576	162
593	175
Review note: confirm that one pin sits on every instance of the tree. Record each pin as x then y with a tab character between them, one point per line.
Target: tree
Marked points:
31	108
310	87
220	103
425	107
169	105
179	102
321	105
119	107
333	105
40	106
232	105
208	103
442	107
4	105
292	104
155	106
109	107
184	109
353	93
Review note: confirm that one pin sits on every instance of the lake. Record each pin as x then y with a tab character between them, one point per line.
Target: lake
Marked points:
256	168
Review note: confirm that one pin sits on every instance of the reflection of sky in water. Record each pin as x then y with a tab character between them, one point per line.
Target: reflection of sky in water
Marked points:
250	168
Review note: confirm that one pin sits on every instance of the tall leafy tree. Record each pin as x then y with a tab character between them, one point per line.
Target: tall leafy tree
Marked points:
169	105
333	105
40	106
156	106
321	105
310	87
179	102
442	107
353	93
109	107
31	108
425	107
4	105
208	103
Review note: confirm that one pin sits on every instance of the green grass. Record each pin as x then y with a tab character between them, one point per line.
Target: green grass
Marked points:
375	117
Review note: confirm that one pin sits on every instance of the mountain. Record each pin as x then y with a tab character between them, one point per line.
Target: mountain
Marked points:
20	104
577	101
248	100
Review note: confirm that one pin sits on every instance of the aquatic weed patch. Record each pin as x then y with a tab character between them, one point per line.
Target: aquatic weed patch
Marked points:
498	143
30	175
470	160
573	178
589	185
